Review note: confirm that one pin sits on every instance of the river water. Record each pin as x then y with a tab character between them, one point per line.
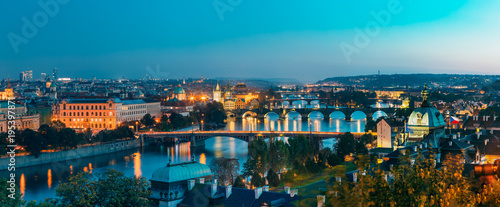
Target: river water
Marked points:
39	182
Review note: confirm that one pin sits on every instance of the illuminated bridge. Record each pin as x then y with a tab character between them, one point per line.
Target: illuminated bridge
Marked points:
197	138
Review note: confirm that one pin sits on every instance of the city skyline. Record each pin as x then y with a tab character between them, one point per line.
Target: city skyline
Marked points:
216	39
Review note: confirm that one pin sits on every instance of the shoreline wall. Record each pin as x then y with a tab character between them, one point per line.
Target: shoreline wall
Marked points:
88	151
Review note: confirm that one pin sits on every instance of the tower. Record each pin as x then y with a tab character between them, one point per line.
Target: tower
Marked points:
217	93
228	94
54	74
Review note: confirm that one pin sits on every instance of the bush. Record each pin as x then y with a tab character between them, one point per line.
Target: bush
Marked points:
273	178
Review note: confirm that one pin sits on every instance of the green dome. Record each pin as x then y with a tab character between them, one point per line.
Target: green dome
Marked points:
426	115
181	172
179	90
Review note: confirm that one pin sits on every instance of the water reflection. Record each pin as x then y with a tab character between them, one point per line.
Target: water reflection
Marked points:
203	158
22	184
137	164
49	178
40	182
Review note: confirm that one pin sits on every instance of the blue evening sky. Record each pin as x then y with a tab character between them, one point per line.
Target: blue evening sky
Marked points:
305	40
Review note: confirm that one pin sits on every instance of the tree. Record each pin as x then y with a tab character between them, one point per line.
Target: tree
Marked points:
345	145
5	199
115	189
112	188
225	169
300	149
311	166
178	121
80	190
371	125
258	150
278	154
33	142
249	167
147	120
49	134
239	182
57	125
257	180
69	138
273	178
164	124
3	143
417	184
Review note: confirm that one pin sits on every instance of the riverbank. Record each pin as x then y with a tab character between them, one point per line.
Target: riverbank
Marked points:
86	151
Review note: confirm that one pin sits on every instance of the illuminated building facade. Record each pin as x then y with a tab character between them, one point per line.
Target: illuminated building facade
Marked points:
7	93
99	114
23	119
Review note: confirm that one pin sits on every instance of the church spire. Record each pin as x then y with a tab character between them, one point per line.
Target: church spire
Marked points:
425	95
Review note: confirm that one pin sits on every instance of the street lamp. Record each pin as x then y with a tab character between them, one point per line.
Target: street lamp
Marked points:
310	131
192	127
258	125
136	126
201	125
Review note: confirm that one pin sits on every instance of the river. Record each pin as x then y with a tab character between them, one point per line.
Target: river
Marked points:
39	182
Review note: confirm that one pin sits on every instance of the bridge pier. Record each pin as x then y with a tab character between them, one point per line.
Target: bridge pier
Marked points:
348	117
196	144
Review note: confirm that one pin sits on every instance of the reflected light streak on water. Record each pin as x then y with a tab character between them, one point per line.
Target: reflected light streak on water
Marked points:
22	184
137	164
203	158
218	146
49	178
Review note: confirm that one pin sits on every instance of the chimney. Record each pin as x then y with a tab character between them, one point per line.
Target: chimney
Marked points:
420	145
201	180
425	144
458	134
214	181
412	161
213	189
415	148
338	179
321	200
229	190
450	143
287	189
294	192
386	177
191	184
258	192
454	136
354	177
391	166
265	188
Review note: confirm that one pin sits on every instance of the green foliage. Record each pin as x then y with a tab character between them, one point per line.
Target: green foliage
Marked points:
211	112
258	150
278	154
420	184
109	189
3	143
6	200
490	111
273	178
371	125
239	182
121	132
257	180
32	142
300	149
345	145
311	166
147	120
225	169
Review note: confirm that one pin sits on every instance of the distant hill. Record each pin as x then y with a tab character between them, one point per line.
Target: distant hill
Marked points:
413	80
